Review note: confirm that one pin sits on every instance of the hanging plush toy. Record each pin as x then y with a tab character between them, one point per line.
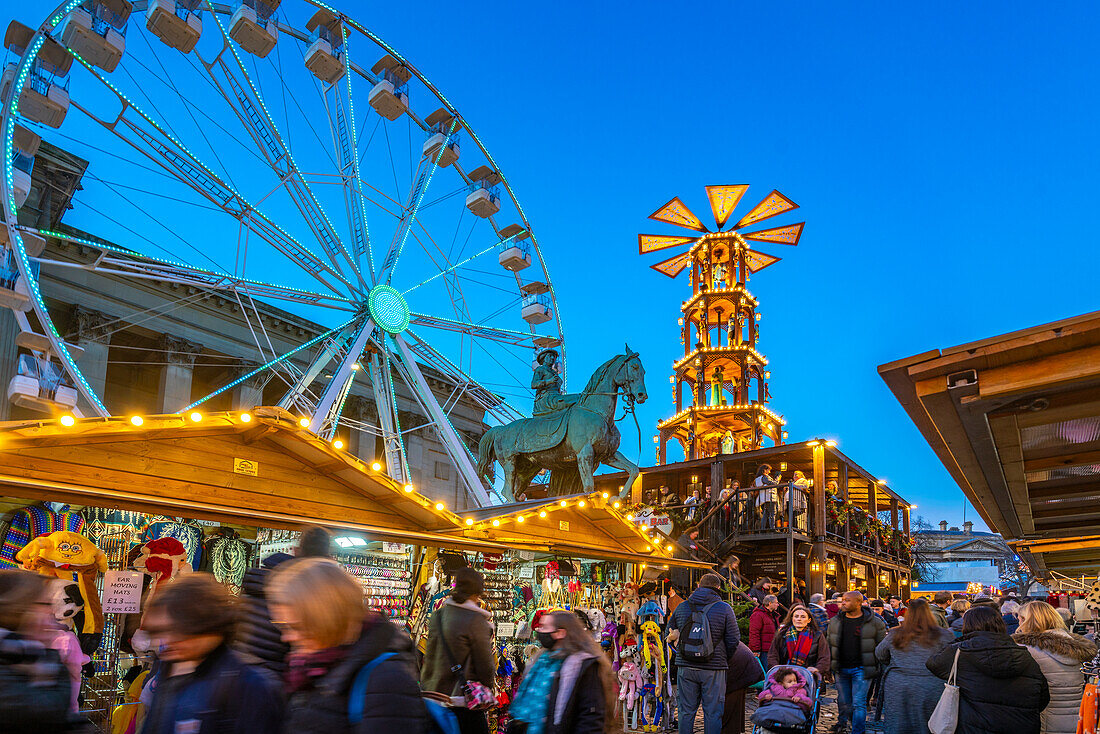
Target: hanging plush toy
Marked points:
68	555
162	559
630	601
630	679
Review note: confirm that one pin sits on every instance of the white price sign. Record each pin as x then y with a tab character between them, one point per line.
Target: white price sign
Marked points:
393	548
122	592
506	629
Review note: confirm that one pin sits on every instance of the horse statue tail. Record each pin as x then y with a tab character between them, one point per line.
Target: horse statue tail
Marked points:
486	453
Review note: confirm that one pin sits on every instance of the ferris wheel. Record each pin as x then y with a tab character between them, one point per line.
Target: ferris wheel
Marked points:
278	154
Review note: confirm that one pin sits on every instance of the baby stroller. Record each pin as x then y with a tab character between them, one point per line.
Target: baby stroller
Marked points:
782	716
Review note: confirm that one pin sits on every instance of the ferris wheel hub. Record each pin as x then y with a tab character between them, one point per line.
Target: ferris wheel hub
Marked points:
388	308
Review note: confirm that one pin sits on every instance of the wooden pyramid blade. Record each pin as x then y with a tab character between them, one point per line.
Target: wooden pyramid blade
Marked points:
723	200
773	204
676	212
674	265
757	261
654	242
788	235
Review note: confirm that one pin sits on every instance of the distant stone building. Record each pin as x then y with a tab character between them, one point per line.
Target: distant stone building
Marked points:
954	556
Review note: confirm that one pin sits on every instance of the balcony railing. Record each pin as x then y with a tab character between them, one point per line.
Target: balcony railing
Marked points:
786	509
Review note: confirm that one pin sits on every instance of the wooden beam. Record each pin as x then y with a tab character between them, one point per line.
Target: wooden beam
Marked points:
1006	437
1040	374
1063	456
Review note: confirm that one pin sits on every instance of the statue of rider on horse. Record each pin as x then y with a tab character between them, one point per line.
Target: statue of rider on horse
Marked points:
571	435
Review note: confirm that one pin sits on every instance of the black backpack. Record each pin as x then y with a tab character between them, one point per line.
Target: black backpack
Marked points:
696	640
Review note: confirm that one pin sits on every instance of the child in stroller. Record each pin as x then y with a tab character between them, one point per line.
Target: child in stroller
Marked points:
789	701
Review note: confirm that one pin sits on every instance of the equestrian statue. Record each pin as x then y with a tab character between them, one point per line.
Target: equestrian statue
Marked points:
571	435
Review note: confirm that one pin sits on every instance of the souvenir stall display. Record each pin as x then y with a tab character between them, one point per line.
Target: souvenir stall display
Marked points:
79	545
386	579
26	523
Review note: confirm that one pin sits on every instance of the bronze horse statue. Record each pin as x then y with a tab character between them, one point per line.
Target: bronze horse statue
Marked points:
571	443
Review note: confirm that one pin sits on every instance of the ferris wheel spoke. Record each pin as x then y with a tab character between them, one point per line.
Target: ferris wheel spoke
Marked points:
421	181
385	400
164	150
456	448
493	333
341	116
347	364
247	103
332	349
271	364
189	170
487	399
446	271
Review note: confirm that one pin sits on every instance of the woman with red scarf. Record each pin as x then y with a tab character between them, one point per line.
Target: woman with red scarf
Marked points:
799	642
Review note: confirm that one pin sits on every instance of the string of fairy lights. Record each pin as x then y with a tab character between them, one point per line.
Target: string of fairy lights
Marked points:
653	541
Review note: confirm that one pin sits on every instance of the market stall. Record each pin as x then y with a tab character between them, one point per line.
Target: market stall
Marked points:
152	497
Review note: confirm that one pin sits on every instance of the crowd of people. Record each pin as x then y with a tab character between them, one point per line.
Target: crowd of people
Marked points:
299	652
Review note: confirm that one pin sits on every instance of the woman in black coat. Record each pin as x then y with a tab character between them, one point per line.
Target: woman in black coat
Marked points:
332	640
743	670
1001	687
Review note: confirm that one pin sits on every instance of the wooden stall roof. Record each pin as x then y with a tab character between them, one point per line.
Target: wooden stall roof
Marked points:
580	525
1015	419
267	470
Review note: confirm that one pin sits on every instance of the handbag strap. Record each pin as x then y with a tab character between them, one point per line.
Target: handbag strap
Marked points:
455	667
954	669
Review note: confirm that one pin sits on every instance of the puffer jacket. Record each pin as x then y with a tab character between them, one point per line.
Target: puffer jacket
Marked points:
1001	687
392	701
1060	655
35	689
872	631
258	642
762	627
723	627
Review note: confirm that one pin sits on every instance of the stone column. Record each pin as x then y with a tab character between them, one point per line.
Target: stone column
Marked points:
175	376
249	393
93	335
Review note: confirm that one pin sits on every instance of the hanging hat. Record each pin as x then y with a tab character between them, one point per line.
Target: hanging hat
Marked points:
163	559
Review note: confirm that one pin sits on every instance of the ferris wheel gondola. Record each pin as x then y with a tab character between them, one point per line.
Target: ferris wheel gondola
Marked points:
280	153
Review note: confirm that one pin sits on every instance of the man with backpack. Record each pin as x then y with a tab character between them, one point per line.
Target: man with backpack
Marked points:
708	637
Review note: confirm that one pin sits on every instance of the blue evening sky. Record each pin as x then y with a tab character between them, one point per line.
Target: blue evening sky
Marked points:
934	148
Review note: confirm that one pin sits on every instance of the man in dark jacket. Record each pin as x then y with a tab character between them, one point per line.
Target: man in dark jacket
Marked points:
853	635
201	686
940	604
258	642
878	606
704	681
